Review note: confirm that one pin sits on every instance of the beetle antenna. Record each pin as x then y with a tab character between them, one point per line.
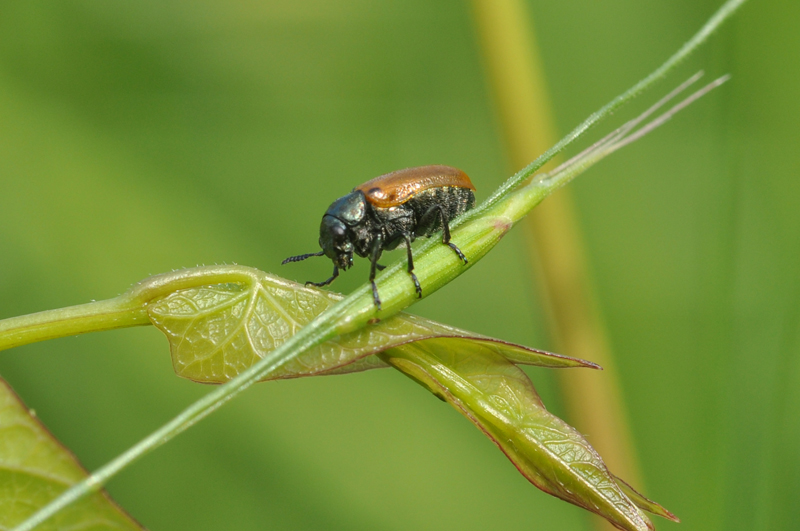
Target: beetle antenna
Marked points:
301	257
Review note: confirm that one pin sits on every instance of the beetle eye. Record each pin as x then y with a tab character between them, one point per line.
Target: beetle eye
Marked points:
340	239
333	237
338	231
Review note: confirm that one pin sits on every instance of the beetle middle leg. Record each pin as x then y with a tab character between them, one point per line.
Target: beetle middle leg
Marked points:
325	282
430	217
377	247
407	238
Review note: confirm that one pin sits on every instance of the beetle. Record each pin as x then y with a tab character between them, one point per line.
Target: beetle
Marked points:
390	210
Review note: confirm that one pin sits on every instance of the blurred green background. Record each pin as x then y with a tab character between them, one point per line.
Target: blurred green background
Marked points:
136	138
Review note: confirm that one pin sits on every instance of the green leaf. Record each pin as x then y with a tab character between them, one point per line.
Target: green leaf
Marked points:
35	469
216	332
500	399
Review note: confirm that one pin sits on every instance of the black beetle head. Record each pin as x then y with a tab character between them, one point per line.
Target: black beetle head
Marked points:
334	238
344	214
335	242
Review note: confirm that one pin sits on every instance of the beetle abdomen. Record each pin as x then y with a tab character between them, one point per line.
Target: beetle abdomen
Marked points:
453	200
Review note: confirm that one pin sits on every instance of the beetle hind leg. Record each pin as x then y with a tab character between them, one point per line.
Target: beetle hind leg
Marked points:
458	252
446	237
438	209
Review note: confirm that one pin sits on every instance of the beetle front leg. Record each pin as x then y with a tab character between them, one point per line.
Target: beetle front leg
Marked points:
407	238
377	246
326	282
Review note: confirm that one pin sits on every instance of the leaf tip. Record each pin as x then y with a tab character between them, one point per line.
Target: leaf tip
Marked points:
645	503
592	365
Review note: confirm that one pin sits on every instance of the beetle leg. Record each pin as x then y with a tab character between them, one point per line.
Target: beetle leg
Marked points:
325	283
445	230
446	235
380	267
407	238
377	246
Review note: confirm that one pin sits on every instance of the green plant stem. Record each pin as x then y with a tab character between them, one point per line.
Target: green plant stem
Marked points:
126	310
435	264
91	317
716	20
